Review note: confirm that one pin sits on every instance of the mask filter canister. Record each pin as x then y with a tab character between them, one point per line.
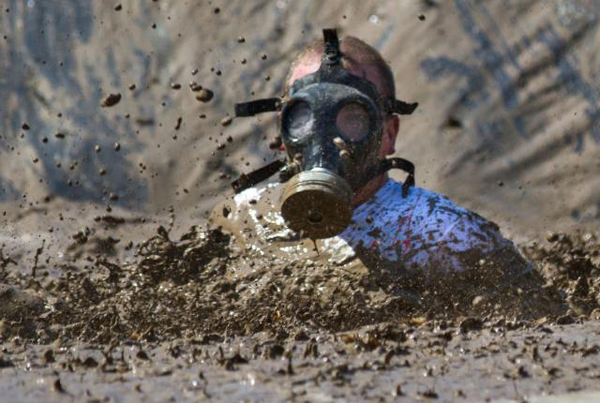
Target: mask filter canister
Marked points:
318	203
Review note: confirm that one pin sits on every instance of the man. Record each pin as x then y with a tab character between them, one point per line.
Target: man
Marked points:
411	233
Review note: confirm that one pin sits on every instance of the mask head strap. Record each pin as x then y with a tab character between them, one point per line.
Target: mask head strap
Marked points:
401	107
255	177
332	57
259	106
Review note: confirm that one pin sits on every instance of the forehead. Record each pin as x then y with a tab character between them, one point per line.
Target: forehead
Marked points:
311	63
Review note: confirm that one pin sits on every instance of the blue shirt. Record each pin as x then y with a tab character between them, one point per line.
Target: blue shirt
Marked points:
421	230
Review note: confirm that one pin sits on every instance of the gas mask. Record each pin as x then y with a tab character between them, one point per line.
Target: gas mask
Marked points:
331	125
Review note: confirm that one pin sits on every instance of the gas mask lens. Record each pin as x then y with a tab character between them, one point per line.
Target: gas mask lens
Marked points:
298	121
353	121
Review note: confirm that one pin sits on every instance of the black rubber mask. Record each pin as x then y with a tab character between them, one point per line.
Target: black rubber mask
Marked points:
331	124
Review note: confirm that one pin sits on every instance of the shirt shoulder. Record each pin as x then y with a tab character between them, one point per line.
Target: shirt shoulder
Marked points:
439	219
421	226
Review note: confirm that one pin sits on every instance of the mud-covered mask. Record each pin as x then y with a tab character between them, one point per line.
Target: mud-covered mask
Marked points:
332	124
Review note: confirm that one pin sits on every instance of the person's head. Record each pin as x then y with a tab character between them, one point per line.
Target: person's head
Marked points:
359	59
337	122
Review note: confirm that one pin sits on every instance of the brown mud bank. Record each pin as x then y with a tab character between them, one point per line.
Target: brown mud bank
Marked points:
199	317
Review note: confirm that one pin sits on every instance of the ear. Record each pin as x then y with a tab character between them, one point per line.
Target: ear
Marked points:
390	133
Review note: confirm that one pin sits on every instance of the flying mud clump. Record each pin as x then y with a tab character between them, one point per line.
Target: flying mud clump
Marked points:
110	100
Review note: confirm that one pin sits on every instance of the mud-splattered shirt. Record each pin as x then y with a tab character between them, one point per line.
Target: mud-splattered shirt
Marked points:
422	230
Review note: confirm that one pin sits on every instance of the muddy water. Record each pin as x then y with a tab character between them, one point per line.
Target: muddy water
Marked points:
439	360
103	304
195	316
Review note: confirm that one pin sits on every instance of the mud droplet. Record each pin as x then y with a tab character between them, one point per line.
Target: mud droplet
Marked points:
204	95
175	86
118	7
194	86
275	351
478	300
58	387
25	126
453	123
469	324
143	121
49	356
59	135
422	17
522	372
178	125
398	391
429	393
241	39
131	87
110	100
117	146
226	121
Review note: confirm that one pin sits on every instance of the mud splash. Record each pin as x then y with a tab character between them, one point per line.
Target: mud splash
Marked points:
198	305
202	284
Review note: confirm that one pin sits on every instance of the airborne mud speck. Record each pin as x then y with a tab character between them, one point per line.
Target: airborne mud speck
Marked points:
110	100
204	94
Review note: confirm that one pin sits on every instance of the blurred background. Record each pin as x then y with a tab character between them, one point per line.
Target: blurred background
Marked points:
508	123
